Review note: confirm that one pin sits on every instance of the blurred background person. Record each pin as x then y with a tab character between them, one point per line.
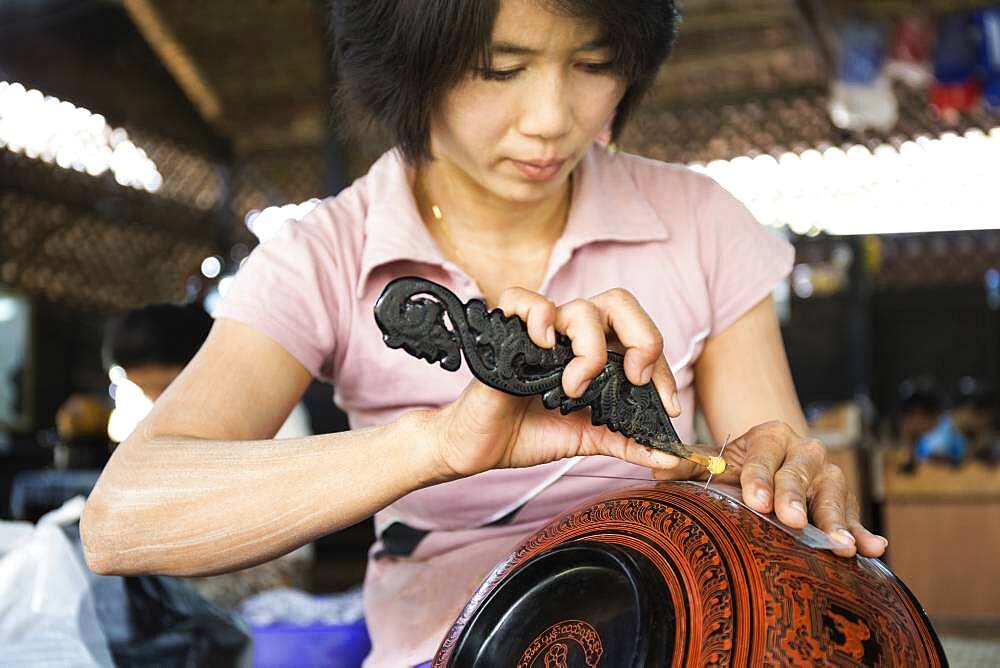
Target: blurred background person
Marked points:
918	413
964	431
151	346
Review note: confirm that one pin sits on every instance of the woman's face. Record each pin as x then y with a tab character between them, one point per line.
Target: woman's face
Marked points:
518	130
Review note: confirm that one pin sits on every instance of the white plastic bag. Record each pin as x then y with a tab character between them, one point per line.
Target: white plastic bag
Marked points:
47	616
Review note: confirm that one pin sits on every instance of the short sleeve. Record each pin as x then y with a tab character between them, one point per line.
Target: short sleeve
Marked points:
285	292
743	261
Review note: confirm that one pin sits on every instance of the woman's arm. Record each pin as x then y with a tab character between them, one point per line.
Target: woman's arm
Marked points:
197	490
742	377
745	390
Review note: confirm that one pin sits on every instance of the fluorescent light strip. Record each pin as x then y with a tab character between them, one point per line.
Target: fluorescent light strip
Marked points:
46	128
941	184
926	185
267	222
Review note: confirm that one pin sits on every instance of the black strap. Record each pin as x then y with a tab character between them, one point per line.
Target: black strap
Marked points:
400	540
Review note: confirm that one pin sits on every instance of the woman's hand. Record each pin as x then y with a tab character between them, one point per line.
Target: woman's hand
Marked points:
781	471
485	429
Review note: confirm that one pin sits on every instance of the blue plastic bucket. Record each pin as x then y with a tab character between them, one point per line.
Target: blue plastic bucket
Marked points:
314	646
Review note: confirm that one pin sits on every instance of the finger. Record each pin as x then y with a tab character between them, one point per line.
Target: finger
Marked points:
537	312
765	450
615	445
625	317
803	464
581	322
869	544
666	387
684	470
829	509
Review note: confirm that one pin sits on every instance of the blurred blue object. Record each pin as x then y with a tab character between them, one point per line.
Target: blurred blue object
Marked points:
986	31
992	280
34	493
862	53
954	59
991	93
861	95
944	441
313	646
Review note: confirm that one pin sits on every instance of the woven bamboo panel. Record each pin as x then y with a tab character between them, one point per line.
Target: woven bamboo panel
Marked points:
775	125
69	255
189	178
277	178
956	258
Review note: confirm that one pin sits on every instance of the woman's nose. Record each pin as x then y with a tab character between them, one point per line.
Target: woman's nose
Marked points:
547	110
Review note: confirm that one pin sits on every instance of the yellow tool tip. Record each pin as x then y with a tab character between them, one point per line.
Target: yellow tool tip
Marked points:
715	465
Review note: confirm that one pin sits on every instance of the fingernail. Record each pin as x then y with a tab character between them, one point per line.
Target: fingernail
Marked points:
885	541
646	375
675	404
761	496
843	536
798	507
550	336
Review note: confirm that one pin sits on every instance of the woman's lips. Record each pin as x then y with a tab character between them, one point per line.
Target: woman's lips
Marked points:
539	170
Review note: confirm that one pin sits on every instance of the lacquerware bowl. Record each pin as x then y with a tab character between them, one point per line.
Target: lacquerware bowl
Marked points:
672	574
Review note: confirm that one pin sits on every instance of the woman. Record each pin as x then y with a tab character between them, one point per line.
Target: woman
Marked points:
497	189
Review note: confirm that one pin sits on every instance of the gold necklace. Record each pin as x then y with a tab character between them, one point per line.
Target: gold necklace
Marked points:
438	215
442	226
450	241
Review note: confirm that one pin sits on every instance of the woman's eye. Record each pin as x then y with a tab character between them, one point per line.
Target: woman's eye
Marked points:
597	68
499	75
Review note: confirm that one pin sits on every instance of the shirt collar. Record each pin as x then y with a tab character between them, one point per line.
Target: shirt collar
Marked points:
393	228
607	206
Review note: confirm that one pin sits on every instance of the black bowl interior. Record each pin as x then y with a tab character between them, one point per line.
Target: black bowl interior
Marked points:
613	590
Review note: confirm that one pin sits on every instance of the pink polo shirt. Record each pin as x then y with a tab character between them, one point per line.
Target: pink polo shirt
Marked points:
693	256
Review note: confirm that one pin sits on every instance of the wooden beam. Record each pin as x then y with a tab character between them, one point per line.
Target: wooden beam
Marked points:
176	59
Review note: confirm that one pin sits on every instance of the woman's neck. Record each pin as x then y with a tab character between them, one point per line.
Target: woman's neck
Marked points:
497	242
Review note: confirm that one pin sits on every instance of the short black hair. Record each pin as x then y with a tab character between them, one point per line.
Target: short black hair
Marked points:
165	334
919	395
920	401
975	394
396	59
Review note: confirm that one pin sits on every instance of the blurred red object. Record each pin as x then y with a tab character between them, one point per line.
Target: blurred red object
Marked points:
912	40
910	51
954	98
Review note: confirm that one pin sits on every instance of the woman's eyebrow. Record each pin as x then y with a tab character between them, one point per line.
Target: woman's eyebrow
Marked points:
598	44
513	49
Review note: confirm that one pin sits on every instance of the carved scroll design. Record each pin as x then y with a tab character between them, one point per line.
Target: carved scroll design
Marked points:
414	314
